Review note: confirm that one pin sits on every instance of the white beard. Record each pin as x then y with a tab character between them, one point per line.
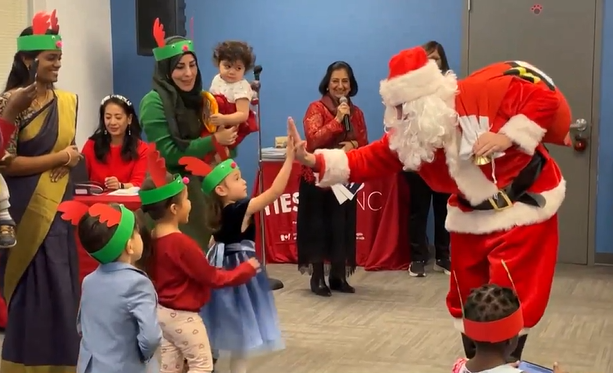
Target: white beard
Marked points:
426	124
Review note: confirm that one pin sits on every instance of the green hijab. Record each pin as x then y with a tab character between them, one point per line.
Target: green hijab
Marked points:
183	110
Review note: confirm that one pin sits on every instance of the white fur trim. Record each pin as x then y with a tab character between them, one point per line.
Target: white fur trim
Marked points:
459	325
469	178
483	222
408	87
523	132
336	168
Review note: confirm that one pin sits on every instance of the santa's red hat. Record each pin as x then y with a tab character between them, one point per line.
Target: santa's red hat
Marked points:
411	76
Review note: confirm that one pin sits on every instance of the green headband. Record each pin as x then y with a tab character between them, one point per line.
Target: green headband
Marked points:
113	249
172	50
216	176
40	40
149	197
30	43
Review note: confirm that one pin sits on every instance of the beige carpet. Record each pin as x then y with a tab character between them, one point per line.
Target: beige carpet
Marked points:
398	324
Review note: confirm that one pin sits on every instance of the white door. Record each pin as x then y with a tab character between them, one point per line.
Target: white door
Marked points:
557	36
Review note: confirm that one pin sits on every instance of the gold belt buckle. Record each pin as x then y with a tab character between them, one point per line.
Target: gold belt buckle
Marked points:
494	201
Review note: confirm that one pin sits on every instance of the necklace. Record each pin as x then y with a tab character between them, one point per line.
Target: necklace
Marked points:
38	104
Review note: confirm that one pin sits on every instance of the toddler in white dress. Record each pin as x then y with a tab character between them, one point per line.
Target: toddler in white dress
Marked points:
232	91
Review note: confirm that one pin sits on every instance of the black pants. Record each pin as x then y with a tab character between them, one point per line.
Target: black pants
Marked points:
421	196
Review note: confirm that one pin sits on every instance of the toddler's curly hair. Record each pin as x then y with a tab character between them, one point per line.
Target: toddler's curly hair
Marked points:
232	51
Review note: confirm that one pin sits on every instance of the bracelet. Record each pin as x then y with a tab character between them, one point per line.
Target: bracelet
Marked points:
69	159
121	186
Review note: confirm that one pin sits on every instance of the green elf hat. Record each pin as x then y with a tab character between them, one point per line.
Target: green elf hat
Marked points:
123	219
163	51
212	176
39	40
157	173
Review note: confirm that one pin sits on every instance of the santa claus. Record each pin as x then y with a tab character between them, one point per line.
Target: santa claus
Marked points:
481	140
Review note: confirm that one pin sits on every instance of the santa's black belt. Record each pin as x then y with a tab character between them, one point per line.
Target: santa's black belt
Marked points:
517	191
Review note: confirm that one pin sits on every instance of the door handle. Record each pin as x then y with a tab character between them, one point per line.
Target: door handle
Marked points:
580	125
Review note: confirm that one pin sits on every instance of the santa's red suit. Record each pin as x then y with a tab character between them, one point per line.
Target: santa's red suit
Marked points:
505	209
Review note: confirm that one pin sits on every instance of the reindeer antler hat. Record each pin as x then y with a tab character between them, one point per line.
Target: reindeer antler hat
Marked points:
123	218
164	51
212	176
39	40
157	171
493	331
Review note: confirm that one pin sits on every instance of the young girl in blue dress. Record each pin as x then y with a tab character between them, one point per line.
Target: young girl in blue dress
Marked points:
117	316
240	320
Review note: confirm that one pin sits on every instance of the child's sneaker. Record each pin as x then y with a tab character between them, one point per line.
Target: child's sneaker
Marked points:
443	265
7	234
417	269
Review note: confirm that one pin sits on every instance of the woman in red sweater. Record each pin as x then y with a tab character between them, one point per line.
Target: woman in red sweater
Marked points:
115	155
326	229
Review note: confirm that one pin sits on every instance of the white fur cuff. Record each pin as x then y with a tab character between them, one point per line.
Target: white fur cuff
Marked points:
336	167
523	132
408	87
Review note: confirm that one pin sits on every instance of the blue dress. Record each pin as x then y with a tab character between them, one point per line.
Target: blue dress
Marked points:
241	319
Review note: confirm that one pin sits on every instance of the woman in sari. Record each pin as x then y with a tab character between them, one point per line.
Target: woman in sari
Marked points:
172	115
40	274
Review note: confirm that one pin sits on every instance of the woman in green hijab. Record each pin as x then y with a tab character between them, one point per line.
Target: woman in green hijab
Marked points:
172	116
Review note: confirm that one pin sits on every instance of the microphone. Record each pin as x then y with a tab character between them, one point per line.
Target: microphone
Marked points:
343	100
257	71
255	86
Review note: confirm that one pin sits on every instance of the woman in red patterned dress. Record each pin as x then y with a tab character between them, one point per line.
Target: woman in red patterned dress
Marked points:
326	229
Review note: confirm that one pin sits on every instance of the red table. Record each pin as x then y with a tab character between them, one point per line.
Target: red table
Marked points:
382	225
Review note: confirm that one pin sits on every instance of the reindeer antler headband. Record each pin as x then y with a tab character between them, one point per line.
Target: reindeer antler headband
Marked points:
493	331
164	51
39	40
157	171
123	218
212	176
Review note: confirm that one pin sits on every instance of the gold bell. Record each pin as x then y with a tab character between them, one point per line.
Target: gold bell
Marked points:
481	160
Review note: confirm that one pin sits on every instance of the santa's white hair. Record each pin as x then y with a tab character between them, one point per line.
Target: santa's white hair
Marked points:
421	126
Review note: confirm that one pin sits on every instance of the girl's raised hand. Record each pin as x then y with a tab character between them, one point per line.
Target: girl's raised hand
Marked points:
290	149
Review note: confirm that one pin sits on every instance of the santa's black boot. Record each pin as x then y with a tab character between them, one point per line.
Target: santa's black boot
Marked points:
469	347
516	355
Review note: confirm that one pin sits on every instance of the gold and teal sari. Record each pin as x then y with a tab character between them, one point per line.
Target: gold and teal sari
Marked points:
40	275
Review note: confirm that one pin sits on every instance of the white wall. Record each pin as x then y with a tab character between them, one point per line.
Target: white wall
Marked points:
13	18
87	61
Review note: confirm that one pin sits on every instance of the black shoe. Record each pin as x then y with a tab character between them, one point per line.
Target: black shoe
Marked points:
417	269
318	282
340	284
469	347
319	287
516	355
443	265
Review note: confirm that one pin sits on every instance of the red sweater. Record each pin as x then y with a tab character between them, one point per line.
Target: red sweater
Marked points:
126	172
183	277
